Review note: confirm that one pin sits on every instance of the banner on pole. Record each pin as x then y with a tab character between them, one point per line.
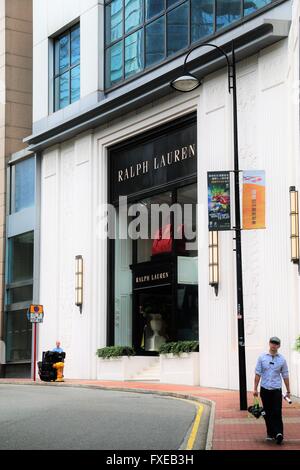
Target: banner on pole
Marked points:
219	217
254	200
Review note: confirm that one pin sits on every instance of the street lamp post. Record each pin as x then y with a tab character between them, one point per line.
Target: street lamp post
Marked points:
186	83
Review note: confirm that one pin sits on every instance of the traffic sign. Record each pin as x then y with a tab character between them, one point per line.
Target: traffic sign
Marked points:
36	314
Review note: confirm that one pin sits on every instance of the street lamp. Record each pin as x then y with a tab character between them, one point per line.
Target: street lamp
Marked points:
186	83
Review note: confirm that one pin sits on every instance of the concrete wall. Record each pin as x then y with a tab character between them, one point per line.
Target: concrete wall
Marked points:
15	97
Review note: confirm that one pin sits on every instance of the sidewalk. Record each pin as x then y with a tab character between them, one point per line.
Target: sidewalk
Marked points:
232	429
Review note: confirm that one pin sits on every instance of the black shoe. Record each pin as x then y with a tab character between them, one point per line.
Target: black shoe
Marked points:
279	438
270	438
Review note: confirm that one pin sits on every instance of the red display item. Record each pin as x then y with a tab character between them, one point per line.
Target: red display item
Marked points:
163	240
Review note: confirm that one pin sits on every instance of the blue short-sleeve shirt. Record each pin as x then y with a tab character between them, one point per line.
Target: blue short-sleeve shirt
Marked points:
272	370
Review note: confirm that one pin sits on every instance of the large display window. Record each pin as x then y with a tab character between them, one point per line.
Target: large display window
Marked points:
153	296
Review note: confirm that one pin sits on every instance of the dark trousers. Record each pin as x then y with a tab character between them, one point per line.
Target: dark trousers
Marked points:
272	403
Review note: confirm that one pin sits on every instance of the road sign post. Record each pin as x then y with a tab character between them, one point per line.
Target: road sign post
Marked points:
35	316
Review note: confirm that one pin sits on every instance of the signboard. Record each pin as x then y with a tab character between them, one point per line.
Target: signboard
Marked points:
151	274
219	200
36	314
154	160
254	200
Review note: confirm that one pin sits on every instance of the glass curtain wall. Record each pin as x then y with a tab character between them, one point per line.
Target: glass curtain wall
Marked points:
19	264
142	33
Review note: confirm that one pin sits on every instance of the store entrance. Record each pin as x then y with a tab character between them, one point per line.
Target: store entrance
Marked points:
153	278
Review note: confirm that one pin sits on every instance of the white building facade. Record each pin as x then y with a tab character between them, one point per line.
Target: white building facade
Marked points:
124	106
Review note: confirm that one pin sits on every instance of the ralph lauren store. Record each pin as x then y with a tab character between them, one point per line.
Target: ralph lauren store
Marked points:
153	256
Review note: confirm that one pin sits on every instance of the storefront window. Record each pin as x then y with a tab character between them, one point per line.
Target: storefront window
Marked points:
161	28
155	268
18	337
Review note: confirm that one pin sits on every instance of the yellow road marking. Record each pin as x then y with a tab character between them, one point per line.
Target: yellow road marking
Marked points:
194	431
195	428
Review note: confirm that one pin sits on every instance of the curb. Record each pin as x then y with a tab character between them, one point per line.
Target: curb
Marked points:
211	404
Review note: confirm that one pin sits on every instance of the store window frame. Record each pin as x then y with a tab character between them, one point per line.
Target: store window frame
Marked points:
66	70
168	58
171	187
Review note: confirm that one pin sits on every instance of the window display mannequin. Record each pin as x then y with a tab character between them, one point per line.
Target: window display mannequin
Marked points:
156	339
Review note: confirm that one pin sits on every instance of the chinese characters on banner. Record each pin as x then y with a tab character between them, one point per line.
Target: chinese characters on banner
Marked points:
219	200
254	199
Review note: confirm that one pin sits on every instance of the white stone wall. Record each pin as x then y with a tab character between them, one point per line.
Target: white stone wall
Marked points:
74	184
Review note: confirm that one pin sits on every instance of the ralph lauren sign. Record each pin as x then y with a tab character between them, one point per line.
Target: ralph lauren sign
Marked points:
155	160
152	274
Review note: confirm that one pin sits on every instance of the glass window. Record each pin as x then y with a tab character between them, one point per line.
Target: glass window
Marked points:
75	84
20	294
21	258
114	61
134	53
114	21
177	28
18	336
155	41
75	46
250	6
162	27
228	11
154	7
171	2
23	185
67	69
202	18
133	14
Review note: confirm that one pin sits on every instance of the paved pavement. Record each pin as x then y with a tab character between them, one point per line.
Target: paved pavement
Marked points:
230	428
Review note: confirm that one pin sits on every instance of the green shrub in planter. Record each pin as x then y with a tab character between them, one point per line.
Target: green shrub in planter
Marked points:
297	345
115	351
179	347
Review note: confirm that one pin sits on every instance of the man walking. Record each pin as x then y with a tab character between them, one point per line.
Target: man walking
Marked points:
271	368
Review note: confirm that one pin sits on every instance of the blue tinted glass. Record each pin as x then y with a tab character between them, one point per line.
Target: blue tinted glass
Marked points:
202	18
228	11
64	90
114	64
24	184
251	6
153	7
75	46
114	21
171	2
63	52
133	14
134	53
178	28
155	41
75	84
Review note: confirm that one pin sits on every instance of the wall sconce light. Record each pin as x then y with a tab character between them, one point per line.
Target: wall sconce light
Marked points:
294	217
79	282
214	260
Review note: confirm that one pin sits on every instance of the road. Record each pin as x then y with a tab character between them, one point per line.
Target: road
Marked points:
61	418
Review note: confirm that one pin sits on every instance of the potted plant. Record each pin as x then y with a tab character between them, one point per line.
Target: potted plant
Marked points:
119	363
179	363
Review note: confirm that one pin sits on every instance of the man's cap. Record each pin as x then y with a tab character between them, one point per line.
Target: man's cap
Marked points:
275	340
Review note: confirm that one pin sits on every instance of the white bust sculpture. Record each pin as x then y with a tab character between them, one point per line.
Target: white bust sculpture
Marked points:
156	340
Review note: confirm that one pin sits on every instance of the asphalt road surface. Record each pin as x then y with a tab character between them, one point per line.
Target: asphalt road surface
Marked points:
46	418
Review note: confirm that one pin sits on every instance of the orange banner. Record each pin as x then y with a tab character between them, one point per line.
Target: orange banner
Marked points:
254	200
